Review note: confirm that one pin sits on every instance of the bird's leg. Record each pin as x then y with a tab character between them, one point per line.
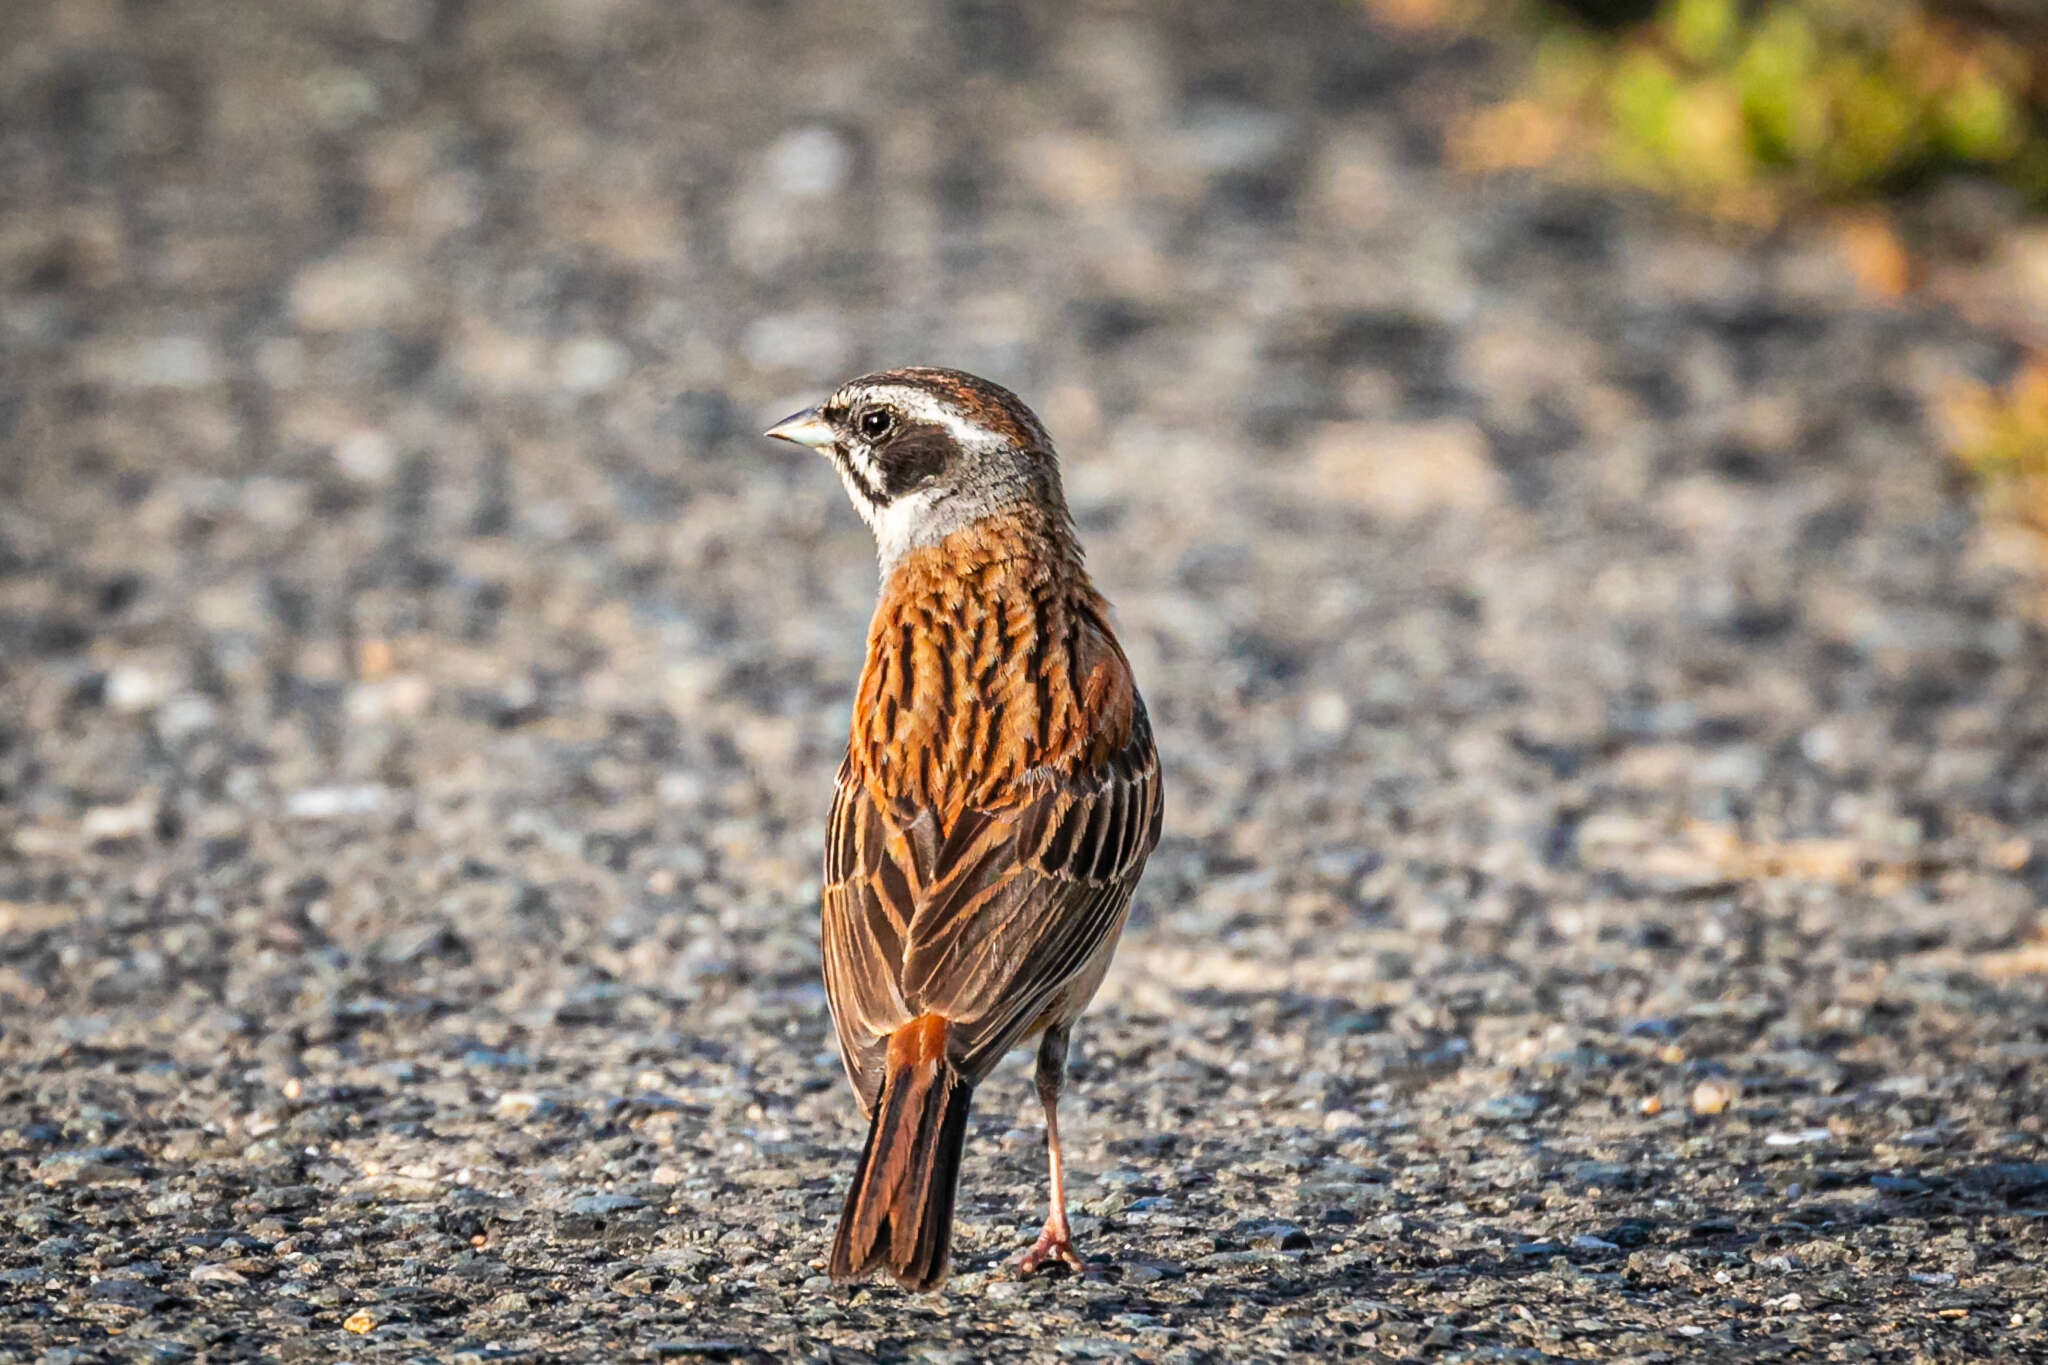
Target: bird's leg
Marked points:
1055	1241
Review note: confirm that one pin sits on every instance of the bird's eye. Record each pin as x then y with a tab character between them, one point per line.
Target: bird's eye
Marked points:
875	423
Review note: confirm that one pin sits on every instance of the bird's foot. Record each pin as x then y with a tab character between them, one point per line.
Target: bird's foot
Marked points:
1055	1243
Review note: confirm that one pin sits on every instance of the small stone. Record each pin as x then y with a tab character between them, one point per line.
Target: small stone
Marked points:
1511	1108
521	1104
358	291
117	824
808	163
1715	1094
408	1189
17	917
1629	1232
337	803
92	1166
590	364
601	1205
366	455
1801	1138
1606	1175
1278	1237
359	1323
217	1274
132	690
169	362
1230	135
1148	1270
1075	170
185	717
1327	713
127	1292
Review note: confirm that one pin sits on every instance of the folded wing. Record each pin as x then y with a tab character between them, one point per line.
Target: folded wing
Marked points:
991	923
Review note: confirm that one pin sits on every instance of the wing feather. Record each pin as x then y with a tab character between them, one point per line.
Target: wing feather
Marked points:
995	956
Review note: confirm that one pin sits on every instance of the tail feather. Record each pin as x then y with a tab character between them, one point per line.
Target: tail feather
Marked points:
899	1213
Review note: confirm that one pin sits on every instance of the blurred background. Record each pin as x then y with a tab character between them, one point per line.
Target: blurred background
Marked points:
1571	479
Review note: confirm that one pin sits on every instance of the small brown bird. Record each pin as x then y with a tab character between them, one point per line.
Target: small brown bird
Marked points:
998	799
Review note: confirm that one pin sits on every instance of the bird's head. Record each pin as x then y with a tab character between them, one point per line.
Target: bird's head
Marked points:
927	452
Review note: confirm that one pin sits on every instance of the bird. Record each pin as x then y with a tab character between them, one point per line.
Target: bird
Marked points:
998	799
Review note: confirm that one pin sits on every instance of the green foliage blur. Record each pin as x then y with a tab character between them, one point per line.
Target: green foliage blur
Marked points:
1746	107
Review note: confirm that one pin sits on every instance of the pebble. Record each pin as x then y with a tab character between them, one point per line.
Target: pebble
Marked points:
126	1292
131	689
602	1205
807	164
1715	1095
590	364
337	803
358	290
1511	1108
176	363
113	824
1224	135
89	1166
1278	1237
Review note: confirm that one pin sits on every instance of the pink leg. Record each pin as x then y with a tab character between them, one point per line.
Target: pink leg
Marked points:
1056	1240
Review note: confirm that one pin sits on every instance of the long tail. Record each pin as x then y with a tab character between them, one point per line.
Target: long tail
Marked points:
899	1212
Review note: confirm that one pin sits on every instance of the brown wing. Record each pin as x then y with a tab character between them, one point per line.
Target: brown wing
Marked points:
1024	898
868	896
990	925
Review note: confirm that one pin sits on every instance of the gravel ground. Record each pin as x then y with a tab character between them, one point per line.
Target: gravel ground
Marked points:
1600	910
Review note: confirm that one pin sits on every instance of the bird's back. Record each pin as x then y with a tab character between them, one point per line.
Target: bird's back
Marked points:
999	796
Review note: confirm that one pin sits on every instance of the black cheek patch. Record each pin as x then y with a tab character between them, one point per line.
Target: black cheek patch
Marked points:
916	454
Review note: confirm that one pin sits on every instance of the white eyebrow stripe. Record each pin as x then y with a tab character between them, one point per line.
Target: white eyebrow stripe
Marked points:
922	405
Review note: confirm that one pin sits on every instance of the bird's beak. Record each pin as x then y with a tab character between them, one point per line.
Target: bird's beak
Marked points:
805	428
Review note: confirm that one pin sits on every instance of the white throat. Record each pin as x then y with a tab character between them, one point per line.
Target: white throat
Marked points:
911	522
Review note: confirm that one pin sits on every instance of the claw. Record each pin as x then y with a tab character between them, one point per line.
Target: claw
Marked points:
1054	1244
